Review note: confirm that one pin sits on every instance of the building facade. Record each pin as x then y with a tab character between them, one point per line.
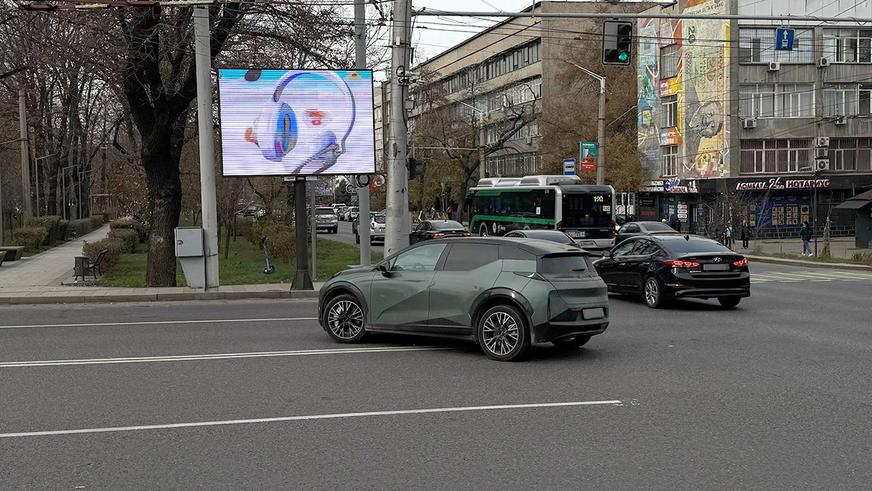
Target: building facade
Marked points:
509	66
754	121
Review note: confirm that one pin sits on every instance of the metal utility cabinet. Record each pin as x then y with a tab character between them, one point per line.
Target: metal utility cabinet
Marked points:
191	254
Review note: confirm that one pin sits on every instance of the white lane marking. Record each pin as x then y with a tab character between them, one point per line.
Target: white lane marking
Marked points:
163	323
115	429
215	356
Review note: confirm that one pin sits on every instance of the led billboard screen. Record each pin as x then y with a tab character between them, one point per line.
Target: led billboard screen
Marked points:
296	122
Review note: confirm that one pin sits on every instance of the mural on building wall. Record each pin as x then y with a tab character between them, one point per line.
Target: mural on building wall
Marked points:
670	33
705	91
647	124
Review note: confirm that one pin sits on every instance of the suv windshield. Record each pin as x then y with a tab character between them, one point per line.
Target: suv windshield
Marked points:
378	219
323	211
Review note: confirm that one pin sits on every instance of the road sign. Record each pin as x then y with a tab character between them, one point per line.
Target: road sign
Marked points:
349	188
568	167
379	180
784	39
588	166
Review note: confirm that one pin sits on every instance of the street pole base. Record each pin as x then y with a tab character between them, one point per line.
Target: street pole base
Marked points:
302	280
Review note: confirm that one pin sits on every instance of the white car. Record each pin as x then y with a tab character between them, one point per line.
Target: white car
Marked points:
326	219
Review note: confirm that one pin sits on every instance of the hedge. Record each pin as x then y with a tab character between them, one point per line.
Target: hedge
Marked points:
30	237
113	247
129	237
132	224
53	225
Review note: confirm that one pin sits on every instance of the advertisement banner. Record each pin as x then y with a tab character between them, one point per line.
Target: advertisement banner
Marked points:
296	122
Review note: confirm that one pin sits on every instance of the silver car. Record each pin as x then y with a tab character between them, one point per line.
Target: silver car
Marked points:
326	219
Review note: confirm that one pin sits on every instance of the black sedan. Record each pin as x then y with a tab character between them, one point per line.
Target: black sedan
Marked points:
437	229
635	229
664	267
549	235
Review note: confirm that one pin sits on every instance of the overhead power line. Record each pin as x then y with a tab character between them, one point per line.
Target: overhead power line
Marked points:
611	15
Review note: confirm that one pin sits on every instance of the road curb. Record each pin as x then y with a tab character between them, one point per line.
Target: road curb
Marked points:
94	297
808	264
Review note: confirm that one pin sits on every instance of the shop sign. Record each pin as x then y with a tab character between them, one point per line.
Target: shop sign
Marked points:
777	183
675	186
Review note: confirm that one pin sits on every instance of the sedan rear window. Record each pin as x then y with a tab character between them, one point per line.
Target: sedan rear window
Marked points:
446	225
563	265
323	211
693	245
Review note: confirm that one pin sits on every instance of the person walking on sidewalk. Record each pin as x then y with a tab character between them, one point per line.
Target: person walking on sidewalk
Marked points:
745	234
728	235
805	234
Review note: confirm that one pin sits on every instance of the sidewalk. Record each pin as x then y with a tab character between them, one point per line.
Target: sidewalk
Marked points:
48	268
840	247
87	294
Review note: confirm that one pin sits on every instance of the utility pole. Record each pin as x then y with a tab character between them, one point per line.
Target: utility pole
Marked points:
362	191
314	222
396	228
482	134
208	200
25	153
600	126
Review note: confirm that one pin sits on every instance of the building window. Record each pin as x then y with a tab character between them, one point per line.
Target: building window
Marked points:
775	156
847	100
776	101
757	45
850	154
669	161
848	45
669	116
669	61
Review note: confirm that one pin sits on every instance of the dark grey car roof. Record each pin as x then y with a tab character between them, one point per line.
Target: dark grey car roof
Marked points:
536	246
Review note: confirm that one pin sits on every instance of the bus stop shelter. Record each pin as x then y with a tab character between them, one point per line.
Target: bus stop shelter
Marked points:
861	205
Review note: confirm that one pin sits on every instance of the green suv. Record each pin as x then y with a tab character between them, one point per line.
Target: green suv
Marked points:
505	294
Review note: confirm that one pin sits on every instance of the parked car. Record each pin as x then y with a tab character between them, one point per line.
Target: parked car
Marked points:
552	235
437	229
664	267
352	213
505	294
326	219
634	229
376	228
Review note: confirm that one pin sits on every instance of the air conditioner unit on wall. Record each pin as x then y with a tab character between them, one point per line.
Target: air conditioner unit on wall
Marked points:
774	66
841	120
822	141
821	164
823	62
749	124
821	153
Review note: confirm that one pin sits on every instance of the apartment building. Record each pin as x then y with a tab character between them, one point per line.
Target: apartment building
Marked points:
777	116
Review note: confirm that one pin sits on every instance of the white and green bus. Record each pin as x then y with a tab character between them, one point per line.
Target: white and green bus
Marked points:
585	212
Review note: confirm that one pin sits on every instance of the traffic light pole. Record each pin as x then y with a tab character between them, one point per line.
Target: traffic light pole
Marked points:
600	126
397	226
362	191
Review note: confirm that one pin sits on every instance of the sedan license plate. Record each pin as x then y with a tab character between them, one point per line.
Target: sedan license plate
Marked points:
576	234
715	267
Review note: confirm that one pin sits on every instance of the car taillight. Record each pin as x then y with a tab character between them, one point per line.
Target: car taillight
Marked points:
678	263
614	230
438	236
740	262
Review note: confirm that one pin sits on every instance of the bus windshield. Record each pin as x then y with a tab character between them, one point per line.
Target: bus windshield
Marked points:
587	210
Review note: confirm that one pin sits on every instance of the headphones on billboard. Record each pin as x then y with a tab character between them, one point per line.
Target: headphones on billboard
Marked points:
292	127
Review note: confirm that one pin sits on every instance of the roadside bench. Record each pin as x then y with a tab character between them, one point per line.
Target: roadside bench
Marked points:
13	253
84	266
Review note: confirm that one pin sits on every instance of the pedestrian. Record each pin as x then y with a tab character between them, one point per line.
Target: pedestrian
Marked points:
805	234
675	222
745	234
728	236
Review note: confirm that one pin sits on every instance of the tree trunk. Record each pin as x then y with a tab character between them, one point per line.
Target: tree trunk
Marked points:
161	152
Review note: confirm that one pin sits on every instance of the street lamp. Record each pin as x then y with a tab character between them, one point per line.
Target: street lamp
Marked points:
481	138
601	124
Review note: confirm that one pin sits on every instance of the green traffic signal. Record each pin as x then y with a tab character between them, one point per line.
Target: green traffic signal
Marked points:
623	56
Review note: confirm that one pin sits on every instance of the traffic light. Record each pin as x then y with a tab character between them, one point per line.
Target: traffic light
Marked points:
617	42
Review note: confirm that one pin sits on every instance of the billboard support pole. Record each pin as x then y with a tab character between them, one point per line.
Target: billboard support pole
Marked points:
314	222
208	191
362	191
302	280
397	227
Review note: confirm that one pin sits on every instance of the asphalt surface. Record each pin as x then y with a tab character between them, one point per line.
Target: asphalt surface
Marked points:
775	394
345	235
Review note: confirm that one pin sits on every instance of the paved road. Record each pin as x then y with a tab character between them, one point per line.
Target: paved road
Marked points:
773	395
345	235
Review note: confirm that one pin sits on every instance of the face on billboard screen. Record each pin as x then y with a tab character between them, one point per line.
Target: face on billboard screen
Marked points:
296	122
